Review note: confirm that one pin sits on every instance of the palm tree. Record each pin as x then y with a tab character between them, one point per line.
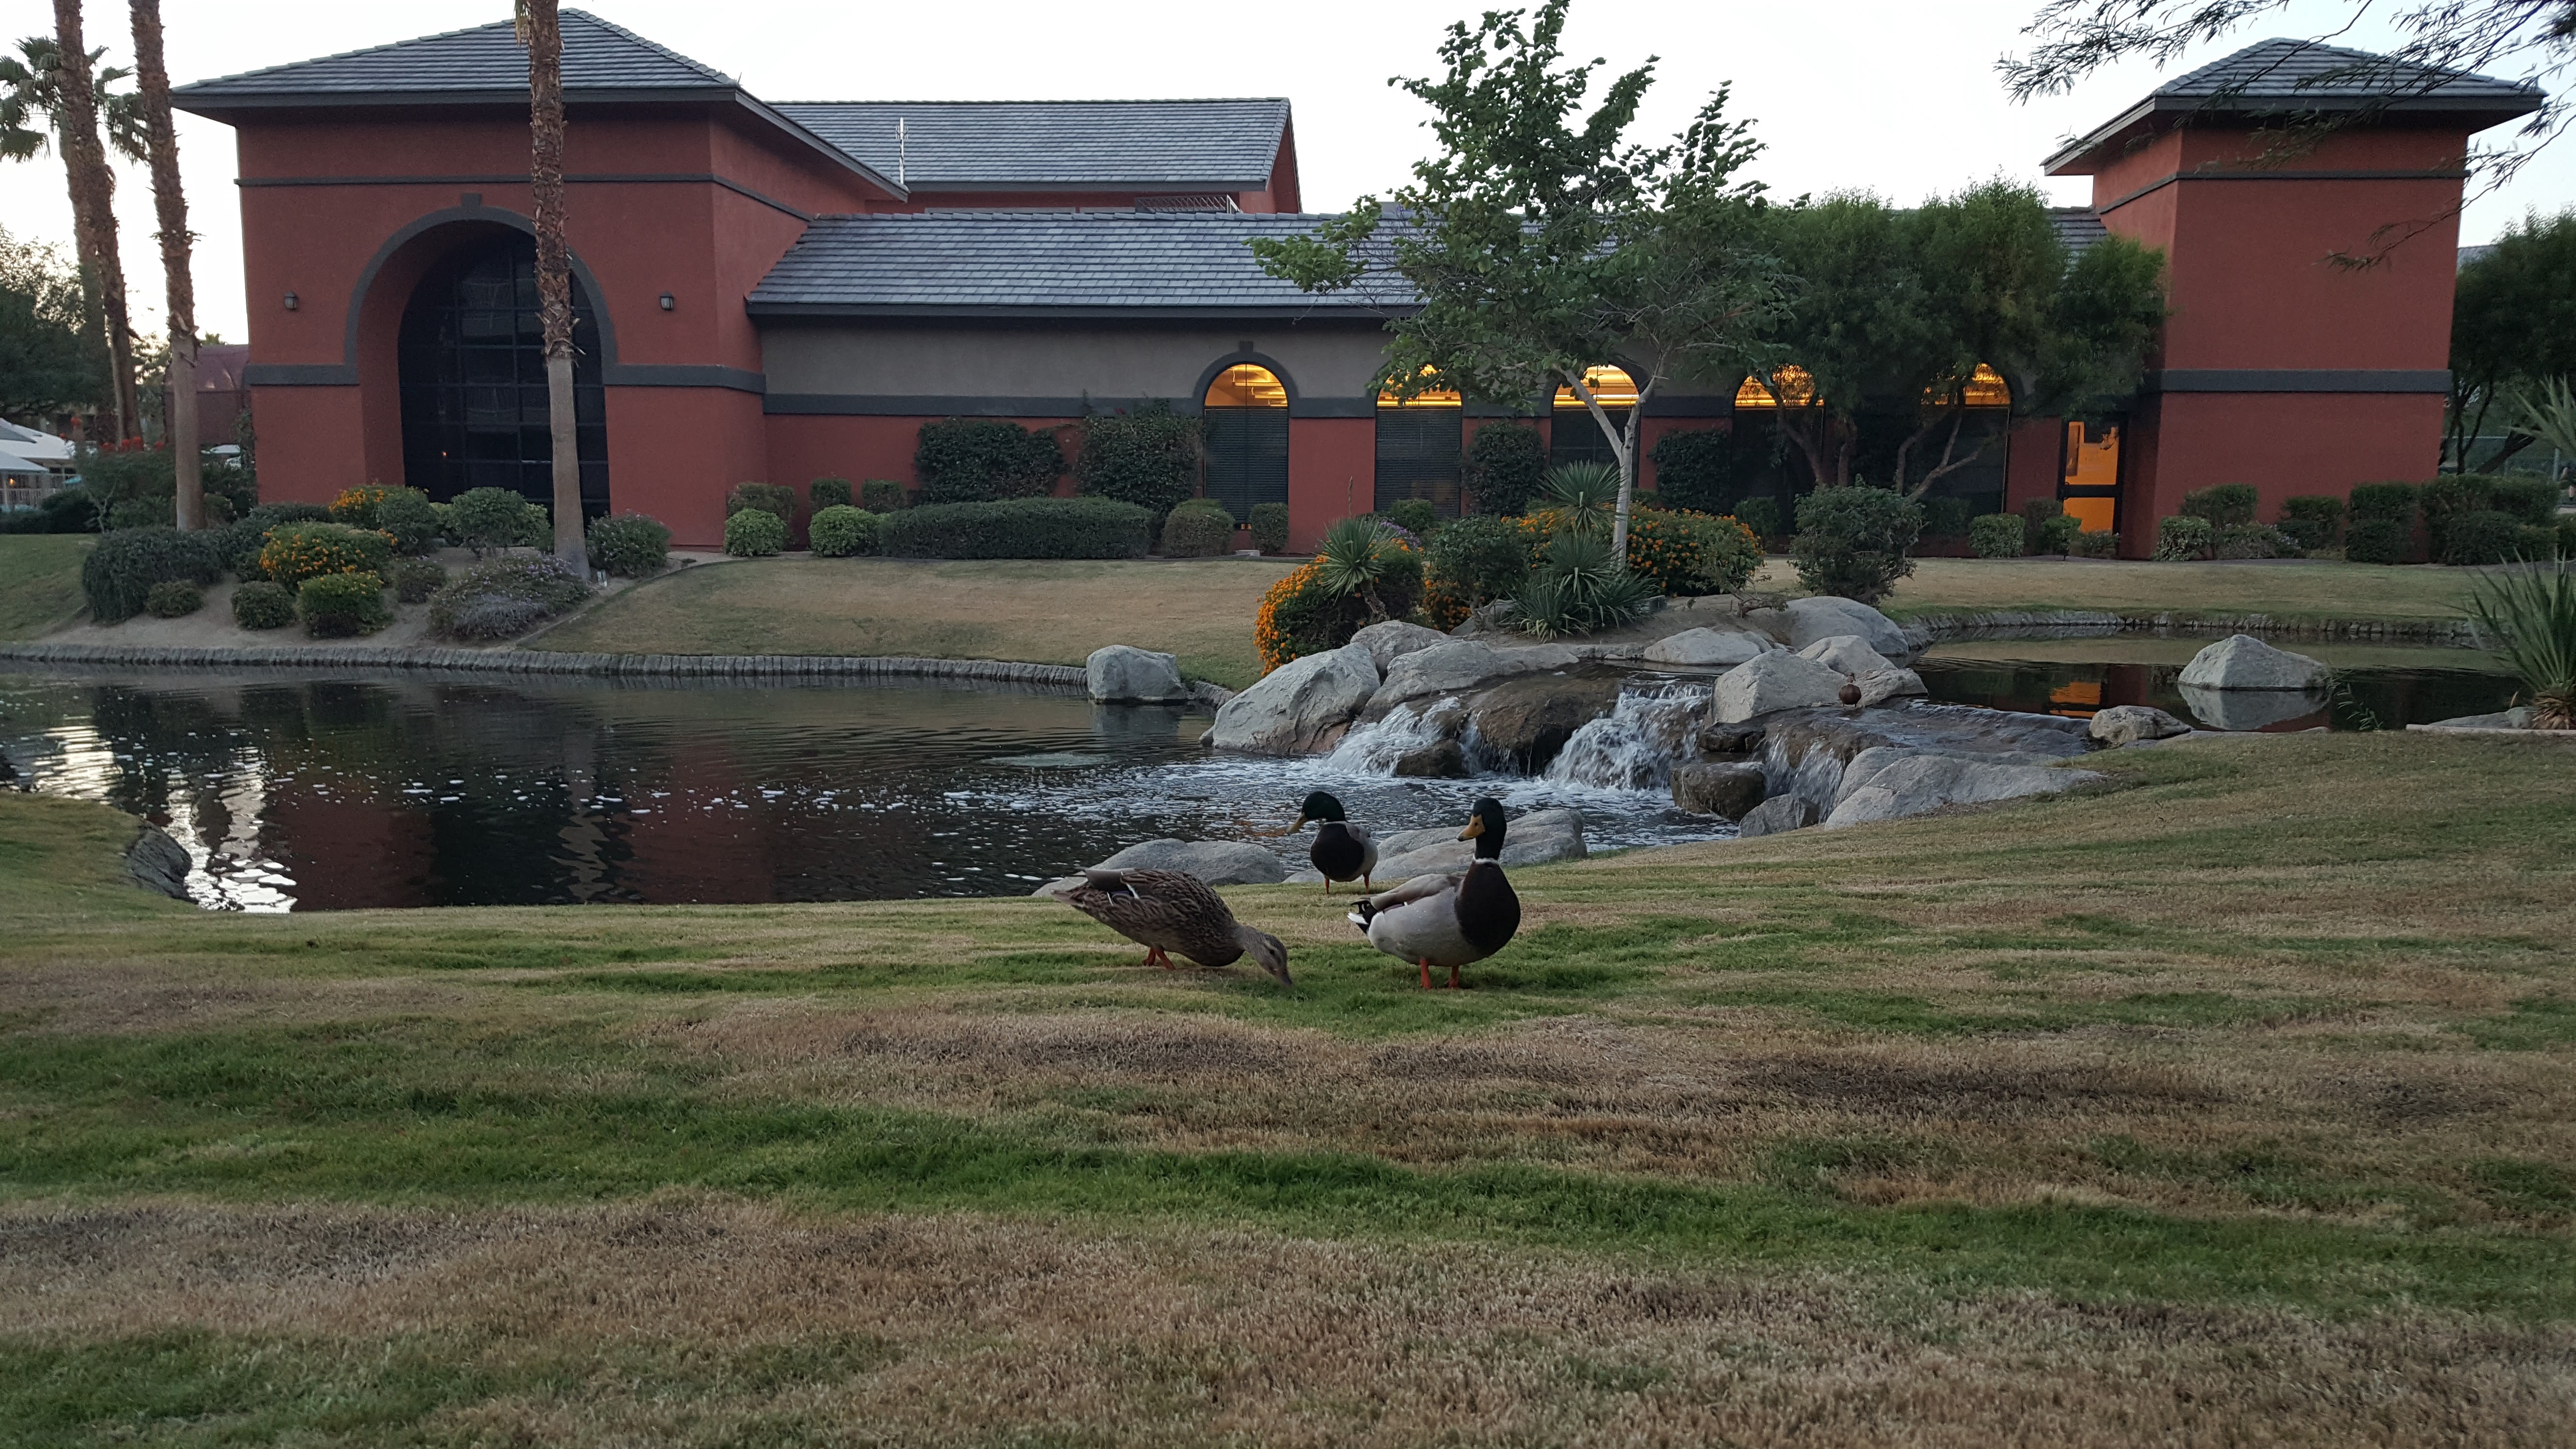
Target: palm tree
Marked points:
170	205
46	97
540	31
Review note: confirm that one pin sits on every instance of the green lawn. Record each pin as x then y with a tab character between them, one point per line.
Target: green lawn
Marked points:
39	582
2231	1102
2302	590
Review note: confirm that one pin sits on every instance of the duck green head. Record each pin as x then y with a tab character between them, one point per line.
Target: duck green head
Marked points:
1318	806
1485	827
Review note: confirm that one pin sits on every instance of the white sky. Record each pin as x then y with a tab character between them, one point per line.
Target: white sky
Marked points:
1890	95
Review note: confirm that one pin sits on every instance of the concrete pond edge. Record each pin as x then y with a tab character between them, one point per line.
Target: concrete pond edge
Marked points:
2100	623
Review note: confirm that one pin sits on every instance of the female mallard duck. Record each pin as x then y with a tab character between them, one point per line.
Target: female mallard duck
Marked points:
1167	910
1342	851
1449	920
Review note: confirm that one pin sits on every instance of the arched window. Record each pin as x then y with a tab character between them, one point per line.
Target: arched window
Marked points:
1420	450
1790	382
1575	436
1245	427
472	372
1986	388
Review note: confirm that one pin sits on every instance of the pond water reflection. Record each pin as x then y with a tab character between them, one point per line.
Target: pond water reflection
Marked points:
2375	687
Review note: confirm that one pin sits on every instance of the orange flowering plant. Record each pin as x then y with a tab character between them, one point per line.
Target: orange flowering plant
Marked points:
295	552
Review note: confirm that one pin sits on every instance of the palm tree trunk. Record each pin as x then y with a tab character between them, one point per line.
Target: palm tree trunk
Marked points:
540	30
93	192
170	207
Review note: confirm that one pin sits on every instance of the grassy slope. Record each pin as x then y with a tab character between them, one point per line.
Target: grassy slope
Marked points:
2044	1113
2288	591
1044	613
39	582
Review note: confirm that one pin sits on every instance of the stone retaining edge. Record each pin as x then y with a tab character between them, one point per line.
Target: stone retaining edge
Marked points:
2095	623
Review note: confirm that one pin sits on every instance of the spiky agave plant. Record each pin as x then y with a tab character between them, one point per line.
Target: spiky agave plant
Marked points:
1580	589
1361	558
1585	494
2530	613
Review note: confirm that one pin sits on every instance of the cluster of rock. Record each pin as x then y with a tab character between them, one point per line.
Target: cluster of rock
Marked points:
1537	838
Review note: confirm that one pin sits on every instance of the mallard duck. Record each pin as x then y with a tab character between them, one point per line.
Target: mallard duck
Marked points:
1166	911
1342	851
1449	920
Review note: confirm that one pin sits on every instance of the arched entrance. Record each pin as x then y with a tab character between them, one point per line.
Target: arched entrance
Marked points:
473	379
1244	425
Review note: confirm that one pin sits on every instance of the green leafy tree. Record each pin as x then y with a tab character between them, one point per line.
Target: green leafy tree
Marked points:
2513	325
1539	242
71	108
50	363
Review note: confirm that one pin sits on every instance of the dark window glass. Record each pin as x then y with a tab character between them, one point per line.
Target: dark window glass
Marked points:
1419	455
474	380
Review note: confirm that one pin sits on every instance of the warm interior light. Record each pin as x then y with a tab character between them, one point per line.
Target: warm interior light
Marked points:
1438	397
1610	387
1246	386
1986	389
1792	383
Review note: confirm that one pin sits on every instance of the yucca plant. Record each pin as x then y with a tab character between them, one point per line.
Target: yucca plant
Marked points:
1585	494
1362	559
1580	589
2530	614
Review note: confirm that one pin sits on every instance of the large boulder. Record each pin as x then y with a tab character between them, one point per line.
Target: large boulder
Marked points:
1125	674
1920	784
2250	709
158	862
2127	724
1879	686
2241	661
1705	648
1771	682
1533	839
1527	720
1392	640
1726	791
1299	708
1825	616
1809	750
1867	765
1849	653
1445	760
1457	666
1775	815
2517	718
1217	862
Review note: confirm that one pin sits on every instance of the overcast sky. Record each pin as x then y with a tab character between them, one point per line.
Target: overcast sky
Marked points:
1893	96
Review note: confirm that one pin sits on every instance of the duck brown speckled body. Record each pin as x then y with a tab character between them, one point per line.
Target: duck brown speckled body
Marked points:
1168	911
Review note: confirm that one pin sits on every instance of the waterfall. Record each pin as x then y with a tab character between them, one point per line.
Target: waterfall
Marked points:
1636	745
1373	749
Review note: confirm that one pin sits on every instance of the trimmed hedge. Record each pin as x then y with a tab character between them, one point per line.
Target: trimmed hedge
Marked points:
2096	543
1020	528
628	545
123	566
840	531
2485	536
336	606
1200	528
174	600
1506	467
260	604
1695	470
2254	540
2225	505
2183	537
1997	535
2384	502
772	498
754	533
2377	541
1148	456
825	493
487	519
413	580
2057	535
1270	527
881	495
2315	520
980	460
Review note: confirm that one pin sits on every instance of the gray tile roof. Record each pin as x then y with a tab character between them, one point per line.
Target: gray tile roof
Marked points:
597	57
2077	226
1215	143
1058	263
2290	77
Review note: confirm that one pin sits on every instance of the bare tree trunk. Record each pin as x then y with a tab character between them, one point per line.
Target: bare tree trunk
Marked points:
1623	447
540	29
93	189
170	207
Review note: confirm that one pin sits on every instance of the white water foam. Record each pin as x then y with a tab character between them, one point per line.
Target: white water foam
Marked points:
1373	749
1636	745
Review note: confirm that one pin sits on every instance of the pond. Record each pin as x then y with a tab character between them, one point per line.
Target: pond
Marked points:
316	793
2376	687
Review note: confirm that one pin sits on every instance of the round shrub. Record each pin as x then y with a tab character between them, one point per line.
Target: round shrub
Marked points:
1414	515
2535	544
1472	562
1506	463
1148	457
825	493
2099	543
2376	540
487	519
1695	469
1852	541
125	563
501	597
628	545
840	531
979	460
2315	520
1689	553
356	507
260	604
1997	535
410	519
1019	528
243	540
299	551
2057	534
754	533
2484	536
2182	538
174	600
1199	528
336	606
775	498
2225	505
1270	527
413	580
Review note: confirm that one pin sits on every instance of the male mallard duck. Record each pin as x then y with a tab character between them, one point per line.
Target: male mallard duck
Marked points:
1167	910
1449	920
1342	851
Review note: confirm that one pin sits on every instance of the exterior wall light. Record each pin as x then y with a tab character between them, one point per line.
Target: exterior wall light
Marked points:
666	302
290	301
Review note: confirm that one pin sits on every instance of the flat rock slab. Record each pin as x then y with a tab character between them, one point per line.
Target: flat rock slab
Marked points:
1392	640
1773	682
1849	653
1705	648
1921	784
1775	816
2127	724
1808	750
2241	661
1458	666
1824	616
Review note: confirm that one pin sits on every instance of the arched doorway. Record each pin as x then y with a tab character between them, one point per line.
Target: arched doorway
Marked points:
473	379
1244	425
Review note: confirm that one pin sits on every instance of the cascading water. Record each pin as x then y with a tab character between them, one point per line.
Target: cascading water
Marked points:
1636	745
1373	749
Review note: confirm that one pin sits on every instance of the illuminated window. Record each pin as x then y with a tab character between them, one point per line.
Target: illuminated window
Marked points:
1419	452
1246	386
1790	381
1438	397
1986	389
1610	387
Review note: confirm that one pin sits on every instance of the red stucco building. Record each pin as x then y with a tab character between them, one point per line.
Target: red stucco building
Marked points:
788	291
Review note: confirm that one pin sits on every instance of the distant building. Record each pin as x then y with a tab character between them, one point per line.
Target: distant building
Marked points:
781	292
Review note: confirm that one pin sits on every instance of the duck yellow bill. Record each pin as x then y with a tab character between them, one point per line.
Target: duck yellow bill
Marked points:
1475	827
